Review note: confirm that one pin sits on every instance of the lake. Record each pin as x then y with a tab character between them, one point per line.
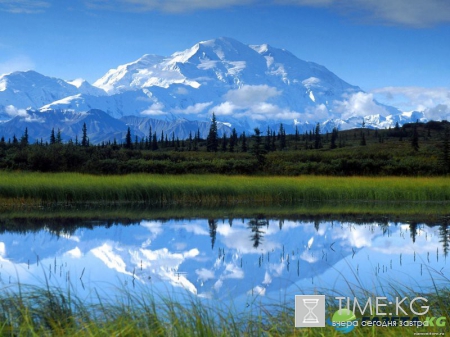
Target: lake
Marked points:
243	262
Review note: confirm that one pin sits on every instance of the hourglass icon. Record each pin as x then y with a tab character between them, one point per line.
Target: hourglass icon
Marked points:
310	304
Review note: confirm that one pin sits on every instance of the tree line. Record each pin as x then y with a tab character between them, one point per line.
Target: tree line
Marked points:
413	149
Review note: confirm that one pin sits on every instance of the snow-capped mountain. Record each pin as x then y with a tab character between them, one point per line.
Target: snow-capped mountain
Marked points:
230	78
246	86
31	90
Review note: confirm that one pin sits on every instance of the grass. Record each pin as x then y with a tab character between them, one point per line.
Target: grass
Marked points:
51	312
204	190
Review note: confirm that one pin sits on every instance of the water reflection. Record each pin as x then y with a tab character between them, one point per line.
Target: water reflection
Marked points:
242	260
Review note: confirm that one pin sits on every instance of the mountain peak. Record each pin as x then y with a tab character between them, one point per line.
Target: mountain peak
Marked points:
247	86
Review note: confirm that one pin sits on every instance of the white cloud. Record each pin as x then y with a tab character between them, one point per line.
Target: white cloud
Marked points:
316	113
23	6
257	291
249	95
156	109
193	109
413	98
18	63
439	112
204	274
358	104
435	102
265	110
251	101
12	111
224	109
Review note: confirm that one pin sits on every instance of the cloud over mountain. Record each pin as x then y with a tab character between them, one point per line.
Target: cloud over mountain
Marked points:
435	102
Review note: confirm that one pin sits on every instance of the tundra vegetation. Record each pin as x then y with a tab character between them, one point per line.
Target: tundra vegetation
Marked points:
411	150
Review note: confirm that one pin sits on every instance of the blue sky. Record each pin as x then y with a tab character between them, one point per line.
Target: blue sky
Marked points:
399	50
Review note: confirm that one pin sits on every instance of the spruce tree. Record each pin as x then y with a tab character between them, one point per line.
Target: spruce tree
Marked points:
128	143
257	149
24	139
233	140
244	143
58	139
190	140
297	135
84	139
52	137
212	142
154	142
282	137
317	137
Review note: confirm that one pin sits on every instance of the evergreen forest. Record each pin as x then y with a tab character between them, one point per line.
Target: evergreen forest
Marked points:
416	149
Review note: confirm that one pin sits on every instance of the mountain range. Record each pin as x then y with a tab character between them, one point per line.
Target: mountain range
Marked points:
246	86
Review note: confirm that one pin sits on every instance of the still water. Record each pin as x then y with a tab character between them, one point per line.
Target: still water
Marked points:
239	261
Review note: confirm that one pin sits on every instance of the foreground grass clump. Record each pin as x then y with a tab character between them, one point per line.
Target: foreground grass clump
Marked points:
43	312
50	312
215	189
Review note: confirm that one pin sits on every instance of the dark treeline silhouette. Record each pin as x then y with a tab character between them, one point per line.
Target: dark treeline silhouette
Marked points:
413	149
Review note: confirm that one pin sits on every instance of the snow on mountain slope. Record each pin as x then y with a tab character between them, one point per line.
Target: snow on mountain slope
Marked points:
31	89
216	67
246	86
84	87
127	103
149	70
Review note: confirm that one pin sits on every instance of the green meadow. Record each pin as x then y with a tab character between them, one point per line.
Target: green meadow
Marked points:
217	189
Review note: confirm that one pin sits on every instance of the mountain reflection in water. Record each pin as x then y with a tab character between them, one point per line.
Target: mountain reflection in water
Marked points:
228	259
